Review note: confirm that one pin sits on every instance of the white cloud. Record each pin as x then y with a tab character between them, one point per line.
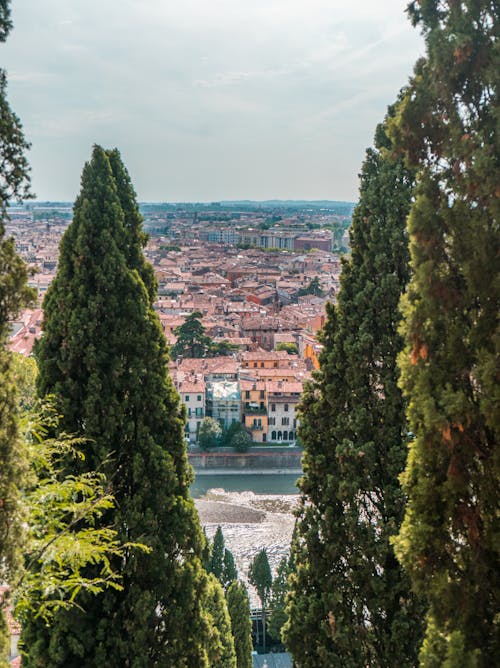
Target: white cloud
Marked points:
207	100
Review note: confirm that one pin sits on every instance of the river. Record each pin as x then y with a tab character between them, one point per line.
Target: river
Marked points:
255	511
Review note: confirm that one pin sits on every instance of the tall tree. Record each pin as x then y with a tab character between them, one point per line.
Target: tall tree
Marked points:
14	294
277	599
191	338
260	576
217	555
103	356
222	651
221	561
350	603
241	625
447	127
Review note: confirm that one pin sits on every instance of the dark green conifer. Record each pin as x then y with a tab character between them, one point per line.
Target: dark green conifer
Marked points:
14	294
350	603
221	560
103	356
191	338
241	625
229	571
222	651
260	577
447	127
277	600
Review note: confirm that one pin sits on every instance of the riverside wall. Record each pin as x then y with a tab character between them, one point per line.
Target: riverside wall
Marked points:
275	460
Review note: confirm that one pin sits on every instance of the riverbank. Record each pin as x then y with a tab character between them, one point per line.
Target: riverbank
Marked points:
256	460
250	522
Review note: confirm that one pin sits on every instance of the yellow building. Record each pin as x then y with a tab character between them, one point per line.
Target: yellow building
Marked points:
254	409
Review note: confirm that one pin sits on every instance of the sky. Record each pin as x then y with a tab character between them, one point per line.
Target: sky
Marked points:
207	100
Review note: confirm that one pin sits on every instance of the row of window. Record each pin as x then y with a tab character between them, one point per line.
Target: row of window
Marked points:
285	422
282	436
187	398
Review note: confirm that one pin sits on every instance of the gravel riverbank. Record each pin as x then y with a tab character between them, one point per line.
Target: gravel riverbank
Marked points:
250	522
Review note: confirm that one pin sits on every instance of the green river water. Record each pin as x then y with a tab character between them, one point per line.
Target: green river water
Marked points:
283	483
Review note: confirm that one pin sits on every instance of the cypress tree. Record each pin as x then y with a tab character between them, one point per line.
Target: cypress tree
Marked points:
277	600
241	625
221	561
14	294
350	603
217	554
103	356
447	127
222	651
260	576
229	571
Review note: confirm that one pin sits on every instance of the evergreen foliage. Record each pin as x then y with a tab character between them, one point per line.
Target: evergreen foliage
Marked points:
14	294
350	603
103	356
241	625
260	576
277	600
217	556
222	651
222	348
221	561
229	572
447	127
313	288
192	342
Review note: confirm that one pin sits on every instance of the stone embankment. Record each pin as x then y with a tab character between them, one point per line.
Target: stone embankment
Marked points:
258	460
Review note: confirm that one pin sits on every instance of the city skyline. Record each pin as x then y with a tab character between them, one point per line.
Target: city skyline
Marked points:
277	100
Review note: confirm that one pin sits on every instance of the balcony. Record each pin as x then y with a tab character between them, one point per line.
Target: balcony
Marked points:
254	411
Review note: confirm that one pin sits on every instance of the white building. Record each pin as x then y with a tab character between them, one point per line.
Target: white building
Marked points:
282	400
192	390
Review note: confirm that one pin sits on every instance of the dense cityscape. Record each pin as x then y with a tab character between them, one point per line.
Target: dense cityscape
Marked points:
259	278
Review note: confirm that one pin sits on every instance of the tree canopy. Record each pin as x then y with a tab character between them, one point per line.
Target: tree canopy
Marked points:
191	338
104	357
447	128
241	625
350	603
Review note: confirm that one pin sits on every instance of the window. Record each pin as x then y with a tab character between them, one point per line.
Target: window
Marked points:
264	438
189	412
273	407
262	365
198	398
272	421
262	394
273	436
285	421
199	412
187	397
247	394
255	365
285	407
